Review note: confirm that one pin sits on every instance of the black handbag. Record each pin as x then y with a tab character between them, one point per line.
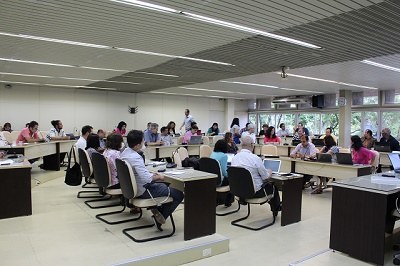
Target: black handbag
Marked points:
73	175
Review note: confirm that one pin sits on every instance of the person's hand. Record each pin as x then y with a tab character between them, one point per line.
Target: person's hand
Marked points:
158	176
269	171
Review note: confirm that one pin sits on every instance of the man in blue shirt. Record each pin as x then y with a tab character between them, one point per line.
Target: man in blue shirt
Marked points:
152	137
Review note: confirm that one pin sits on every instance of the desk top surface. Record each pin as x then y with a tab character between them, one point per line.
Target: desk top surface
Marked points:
355	166
183	175
364	183
24	164
27	145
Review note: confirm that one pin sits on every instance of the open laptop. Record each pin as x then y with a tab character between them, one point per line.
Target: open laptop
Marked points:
195	140
274	165
384	147
344	158
318	142
395	160
324	157
296	142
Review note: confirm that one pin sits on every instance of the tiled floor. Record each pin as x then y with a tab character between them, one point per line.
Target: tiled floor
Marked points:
63	231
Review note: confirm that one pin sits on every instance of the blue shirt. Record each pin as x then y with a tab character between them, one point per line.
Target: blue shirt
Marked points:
222	158
151	137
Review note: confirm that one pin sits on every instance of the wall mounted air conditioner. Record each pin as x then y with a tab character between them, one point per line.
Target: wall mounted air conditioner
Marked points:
291	100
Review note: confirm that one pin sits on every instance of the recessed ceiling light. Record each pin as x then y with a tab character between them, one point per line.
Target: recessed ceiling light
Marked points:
232	92
195	95
380	65
157	74
216	22
250	84
114	48
56	85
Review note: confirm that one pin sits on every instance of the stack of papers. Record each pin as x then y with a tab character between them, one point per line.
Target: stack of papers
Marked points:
6	162
175	172
386	179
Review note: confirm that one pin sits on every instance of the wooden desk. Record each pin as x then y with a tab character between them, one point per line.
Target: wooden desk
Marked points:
199	207
333	170
15	190
360	214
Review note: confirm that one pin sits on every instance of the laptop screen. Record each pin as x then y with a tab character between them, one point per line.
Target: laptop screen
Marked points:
274	165
395	160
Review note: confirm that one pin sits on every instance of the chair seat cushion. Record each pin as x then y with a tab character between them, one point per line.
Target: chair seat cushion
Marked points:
145	203
223	189
396	214
257	200
114	191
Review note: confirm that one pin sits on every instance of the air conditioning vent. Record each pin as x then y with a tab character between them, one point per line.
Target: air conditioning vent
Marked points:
291	100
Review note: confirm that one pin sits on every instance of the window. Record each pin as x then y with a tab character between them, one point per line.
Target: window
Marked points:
356	123
253	119
391	120
330	120
312	121
371	122
288	119
266	118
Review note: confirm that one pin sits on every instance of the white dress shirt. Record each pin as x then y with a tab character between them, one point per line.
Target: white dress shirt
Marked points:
252	135
81	143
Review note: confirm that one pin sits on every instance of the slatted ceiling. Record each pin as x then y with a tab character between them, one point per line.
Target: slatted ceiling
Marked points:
391	60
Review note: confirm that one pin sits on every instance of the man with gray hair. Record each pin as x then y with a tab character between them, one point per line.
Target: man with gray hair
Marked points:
389	140
152	137
246	159
251	129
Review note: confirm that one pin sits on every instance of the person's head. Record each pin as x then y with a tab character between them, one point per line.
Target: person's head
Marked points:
228	137
282	126
270	132
300	131
135	139
114	141
386	133
154	128
194	129
329	141
235	129
304	140
164	131
193	124
265	127
171	124
57	124
149	125
300	125
235	121
328	131
187	112
214	126
7	126
27	124
247	143
356	142
221	146
93	141
86	130
251	128
368	134
247	125
121	125
101	133
33	126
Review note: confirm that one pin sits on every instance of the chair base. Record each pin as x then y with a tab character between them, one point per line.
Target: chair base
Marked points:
101	215
236	222
228	212
90	185
125	231
89	197
104	198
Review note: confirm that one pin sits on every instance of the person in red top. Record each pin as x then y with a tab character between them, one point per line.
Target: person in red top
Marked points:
360	154
30	133
270	136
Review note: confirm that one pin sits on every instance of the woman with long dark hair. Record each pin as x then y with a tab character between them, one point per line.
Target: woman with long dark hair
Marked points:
270	136
360	154
213	130
121	128
232	148
171	128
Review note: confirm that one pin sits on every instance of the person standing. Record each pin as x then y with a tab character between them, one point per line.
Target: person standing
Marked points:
187	121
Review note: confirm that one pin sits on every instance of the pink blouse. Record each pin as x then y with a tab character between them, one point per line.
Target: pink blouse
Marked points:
111	155
363	156
121	132
276	139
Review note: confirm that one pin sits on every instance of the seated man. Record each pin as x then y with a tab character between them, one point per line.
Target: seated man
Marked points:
246	159
56	132
30	133
152	137
165	137
251	129
102	135
81	143
328	132
304	150
388	139
146	179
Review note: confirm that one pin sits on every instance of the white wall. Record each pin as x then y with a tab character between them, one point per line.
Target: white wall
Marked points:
101	109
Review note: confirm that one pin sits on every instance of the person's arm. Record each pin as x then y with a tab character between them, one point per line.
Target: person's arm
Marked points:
278	139
264	173
224	165
313	151
396	146
295	152
53	136
30	139
183	124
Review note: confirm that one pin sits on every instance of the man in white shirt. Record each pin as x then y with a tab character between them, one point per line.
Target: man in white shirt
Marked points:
86	131
56	132
246	159
166	139
282	132
187	121
251	128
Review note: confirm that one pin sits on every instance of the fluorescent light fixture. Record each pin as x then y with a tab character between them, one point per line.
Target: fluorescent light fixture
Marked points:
201	89
250	84
331	81
196	95
67	78
98	46
56	85
288	89
215	22
380	65
156	74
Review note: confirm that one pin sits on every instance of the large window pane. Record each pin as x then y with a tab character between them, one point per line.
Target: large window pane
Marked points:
371	122
356	123
288	119
311	121
330	120
266	118
253	119
391	120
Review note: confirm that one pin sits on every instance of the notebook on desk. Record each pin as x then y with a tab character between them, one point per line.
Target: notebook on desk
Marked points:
344	158
274	165
195	140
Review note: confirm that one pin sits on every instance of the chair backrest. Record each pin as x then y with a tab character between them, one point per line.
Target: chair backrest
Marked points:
216	138
344	150
7	136
205	140
177	159
101	170
86	163
183	153
179	140
375	162
241	182
269	149
212	166
77	153
14	135
126	178
205	151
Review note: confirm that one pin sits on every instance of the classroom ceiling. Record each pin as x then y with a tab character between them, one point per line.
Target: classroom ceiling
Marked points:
118	46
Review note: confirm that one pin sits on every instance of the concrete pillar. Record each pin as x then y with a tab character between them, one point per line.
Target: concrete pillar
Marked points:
345	119
229	113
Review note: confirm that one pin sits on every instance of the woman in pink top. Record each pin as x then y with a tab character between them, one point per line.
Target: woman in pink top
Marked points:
270	136
111	153
189	134
121	128
360	154
30	133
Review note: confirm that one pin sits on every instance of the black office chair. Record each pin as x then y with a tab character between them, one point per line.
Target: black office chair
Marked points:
129	190
242	186
102	175
212	166
87	172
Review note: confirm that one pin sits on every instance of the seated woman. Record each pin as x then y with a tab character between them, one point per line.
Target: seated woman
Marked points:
121	128
189	134
235	130
367	140
111	153
231	145
213	130
360	154
263	131
219	154
270	136
7	127
92	144
171	128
